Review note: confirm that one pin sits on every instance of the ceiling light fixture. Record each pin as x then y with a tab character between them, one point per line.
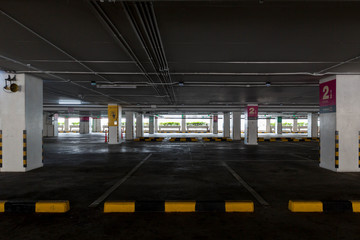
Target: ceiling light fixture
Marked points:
115	86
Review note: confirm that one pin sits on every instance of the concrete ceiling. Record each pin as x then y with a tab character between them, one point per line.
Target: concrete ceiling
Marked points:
222	53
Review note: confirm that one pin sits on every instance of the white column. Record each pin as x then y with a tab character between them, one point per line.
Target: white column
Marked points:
251	124
215	124
211	124
21	124
268	125
156	124
98	124
226	126
312	125
114	123
340	123
151	125
183	123
84	125
295	125
50	125
278	125
67	126
129	125
237	126
139	125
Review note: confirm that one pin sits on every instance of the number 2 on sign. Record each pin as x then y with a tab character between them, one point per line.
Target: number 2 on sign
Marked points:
252	110
326	92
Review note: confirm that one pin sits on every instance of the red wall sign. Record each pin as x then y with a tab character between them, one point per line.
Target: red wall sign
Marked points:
215	118
252	112
327	95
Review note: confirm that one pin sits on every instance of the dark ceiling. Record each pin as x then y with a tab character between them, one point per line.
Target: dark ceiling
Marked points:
220	52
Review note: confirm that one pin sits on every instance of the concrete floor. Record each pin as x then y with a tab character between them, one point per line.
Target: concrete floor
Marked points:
80	168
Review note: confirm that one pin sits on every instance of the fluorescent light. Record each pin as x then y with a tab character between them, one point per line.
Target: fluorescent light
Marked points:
115	86
69	102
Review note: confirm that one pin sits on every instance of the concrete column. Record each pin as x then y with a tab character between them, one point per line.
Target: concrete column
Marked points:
236	126
313	125
215	124
226	126
114	123
151	125
139	125
129	126
295	126
340	123
84	125
278	125
156	124
183	123
21	124
96	126
211	124
50	125
251	124
268	125
67	125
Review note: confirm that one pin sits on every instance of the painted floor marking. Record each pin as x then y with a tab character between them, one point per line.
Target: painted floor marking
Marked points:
116	185
247	186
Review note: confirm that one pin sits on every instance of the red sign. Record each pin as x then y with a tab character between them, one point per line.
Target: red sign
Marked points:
252	112
327	95
215	118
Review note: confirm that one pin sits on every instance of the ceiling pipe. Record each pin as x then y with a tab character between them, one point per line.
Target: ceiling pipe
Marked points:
201	73
112	29
139	35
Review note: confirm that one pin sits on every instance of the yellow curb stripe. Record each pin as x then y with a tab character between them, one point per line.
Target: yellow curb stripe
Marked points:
60	206
239	206
356	205
180	206
122	207
305	206
2	206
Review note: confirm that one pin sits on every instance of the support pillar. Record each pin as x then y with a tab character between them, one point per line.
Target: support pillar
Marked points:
312	125
114	123
295	125
50	125
151	125
183	123
139	125
96	124
67	125
215	124
268	125
236	126
278	125
211	124
84	125
340	123
156	124
21	125
129	126
226	126
251	124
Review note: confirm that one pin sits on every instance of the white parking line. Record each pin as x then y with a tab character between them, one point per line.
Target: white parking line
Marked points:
247	186
116	185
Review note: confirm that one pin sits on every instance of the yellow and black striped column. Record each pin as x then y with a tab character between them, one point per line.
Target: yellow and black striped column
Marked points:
336	149
1	149
24	150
